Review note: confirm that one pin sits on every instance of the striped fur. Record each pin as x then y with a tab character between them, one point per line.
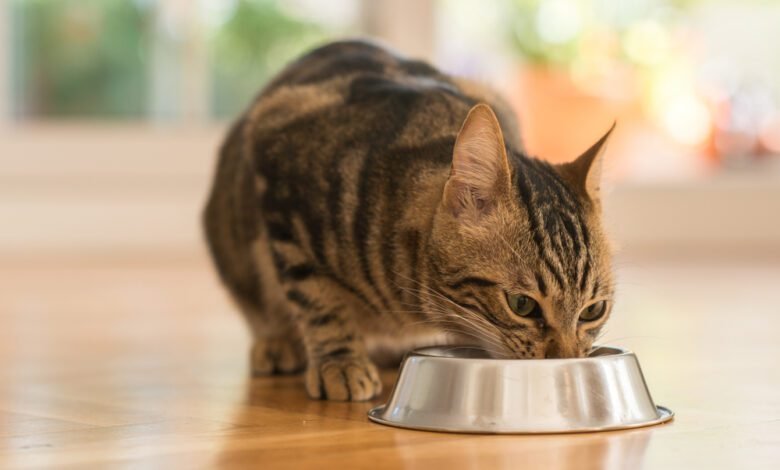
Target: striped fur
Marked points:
328	223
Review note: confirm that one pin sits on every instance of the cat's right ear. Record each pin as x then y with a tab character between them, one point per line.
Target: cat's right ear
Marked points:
480	170
585	171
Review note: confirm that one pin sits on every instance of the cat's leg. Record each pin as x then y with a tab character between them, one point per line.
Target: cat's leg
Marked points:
277	347
338	364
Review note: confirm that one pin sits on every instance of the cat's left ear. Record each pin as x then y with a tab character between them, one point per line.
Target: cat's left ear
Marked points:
585	171
480	169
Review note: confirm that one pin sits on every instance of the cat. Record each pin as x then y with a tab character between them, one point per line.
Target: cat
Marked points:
367	202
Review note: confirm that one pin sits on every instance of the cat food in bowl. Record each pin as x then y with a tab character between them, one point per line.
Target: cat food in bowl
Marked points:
461	389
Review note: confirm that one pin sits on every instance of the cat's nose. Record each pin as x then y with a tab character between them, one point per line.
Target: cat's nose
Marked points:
557	349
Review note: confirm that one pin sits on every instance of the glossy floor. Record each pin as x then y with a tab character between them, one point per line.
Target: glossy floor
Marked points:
128	363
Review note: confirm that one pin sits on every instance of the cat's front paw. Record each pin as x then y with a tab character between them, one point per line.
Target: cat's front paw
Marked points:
283	355
349	378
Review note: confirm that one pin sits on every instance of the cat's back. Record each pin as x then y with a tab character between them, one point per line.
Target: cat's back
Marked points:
364	95
355	59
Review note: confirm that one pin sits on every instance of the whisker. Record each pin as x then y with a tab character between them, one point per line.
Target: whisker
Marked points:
489	333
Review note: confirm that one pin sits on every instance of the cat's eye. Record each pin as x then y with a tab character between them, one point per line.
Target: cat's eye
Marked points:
594	311
523	305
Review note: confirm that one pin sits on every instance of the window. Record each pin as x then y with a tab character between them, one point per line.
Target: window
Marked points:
86	58
693	85
163	60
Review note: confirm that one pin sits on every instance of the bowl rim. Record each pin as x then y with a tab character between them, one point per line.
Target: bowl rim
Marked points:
614	352
663	415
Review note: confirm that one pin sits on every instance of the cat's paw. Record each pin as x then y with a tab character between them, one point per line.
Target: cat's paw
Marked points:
350	378
277	356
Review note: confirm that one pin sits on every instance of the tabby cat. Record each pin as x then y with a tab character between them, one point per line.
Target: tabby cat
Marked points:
367	203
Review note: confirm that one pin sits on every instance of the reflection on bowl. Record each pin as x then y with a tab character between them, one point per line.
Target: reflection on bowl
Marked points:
461	389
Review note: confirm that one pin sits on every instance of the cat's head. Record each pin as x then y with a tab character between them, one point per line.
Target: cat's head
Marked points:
520	261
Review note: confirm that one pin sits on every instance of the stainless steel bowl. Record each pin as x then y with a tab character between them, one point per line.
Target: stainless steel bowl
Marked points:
461	389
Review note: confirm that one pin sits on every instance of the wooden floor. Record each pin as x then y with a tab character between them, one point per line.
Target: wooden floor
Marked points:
128	363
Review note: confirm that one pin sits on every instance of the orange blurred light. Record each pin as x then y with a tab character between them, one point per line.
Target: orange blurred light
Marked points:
770	133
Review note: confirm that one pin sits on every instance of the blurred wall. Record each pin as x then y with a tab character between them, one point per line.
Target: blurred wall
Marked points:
124	190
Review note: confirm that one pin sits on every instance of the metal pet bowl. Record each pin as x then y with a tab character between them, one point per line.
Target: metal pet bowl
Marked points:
461	389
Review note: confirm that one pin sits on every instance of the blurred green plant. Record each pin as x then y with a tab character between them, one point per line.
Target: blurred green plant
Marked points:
527	40
557	33
257	40
80	57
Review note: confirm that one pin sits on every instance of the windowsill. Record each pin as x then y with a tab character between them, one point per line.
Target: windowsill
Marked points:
102	188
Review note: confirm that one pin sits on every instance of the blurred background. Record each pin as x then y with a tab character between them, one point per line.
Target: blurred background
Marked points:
111	110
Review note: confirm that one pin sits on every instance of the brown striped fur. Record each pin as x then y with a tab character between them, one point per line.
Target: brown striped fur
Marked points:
356	209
